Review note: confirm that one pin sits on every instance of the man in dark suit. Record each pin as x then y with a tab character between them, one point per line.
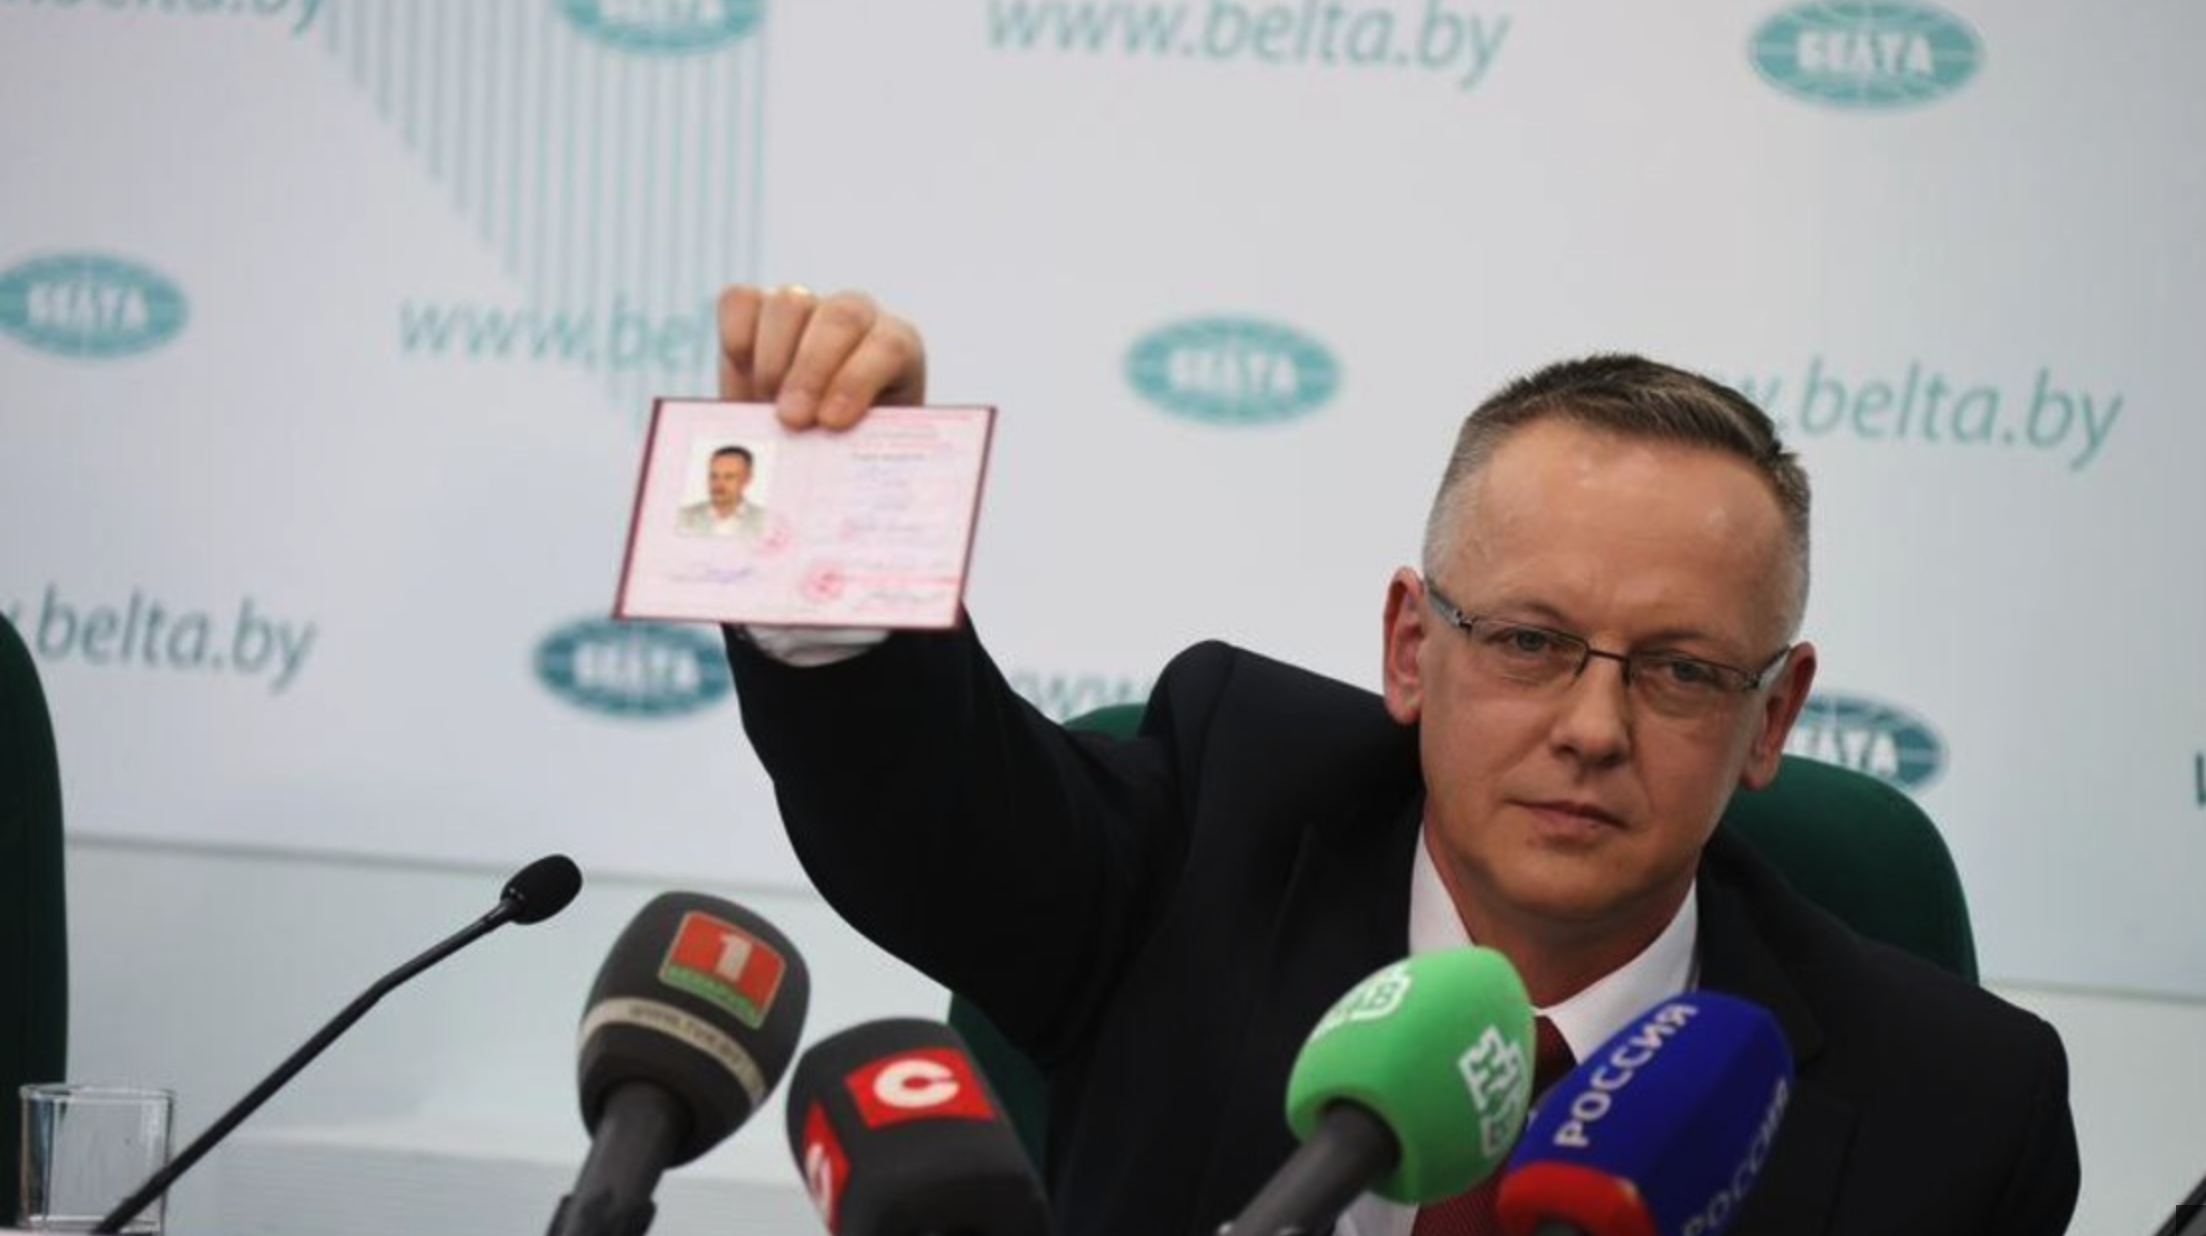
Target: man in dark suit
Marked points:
1601	645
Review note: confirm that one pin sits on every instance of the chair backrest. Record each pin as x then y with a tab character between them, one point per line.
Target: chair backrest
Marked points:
1865	852
1853	845
34	952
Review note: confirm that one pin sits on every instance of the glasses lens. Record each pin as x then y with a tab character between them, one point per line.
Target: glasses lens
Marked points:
1685	685
1532	655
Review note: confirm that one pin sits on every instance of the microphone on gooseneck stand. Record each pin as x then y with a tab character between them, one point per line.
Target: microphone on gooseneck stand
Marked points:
692	1020
1413	1086
898	1134
535	893
2189	1218
1662	1131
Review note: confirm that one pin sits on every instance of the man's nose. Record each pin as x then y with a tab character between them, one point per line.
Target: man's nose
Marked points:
1593	719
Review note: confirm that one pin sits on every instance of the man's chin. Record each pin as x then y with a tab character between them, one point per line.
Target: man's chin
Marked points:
1572	895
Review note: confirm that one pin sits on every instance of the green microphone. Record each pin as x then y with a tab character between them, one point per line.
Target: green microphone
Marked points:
1414	1086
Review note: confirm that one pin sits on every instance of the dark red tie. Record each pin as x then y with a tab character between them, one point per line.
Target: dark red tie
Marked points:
1472	1213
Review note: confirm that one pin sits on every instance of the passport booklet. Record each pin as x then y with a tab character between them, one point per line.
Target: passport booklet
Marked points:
738	520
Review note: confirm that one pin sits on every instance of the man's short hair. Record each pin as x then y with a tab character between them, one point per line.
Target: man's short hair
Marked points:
740	452
1632	397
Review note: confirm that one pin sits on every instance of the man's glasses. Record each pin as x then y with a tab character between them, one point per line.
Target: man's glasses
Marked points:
1670	683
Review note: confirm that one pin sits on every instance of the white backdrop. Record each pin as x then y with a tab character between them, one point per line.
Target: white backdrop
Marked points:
327	328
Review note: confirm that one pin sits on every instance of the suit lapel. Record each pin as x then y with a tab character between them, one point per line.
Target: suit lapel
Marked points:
1800	1182
1345	914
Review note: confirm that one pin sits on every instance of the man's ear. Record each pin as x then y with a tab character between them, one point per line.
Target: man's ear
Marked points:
1774	718
1401	665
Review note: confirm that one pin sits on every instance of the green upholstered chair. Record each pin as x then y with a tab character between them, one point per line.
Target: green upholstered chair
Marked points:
1855	846
1865	852
34	956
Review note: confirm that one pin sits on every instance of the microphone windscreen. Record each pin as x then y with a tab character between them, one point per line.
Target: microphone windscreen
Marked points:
897	1133
701	998
1439	1047
1662	1130
542	889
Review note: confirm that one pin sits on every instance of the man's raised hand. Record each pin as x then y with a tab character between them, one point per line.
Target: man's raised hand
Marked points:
821	361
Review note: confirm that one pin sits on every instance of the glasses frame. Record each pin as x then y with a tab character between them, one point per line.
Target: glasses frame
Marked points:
1730	679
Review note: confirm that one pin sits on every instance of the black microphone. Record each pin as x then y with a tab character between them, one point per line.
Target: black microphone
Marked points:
692	1020
898	1134
535	893
2189	1218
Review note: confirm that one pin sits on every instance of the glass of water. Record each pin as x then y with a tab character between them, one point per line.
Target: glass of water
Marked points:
86	1148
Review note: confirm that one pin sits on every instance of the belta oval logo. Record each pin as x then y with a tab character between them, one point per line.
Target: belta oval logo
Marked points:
665	27
1883	740
1866	55
90	305
633	669
1232	371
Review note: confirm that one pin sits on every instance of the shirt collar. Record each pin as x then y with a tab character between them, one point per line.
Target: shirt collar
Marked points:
1661	970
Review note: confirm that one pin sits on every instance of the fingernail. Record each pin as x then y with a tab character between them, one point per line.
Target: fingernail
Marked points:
796	408
839	411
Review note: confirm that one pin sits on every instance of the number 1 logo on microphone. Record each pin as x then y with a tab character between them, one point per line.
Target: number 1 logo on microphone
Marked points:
725	964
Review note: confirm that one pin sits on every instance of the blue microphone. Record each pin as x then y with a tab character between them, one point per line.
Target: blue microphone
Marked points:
1662	1131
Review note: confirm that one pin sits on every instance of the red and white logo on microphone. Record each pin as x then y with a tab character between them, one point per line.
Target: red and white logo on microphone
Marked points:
826	1169
725	964
921	1084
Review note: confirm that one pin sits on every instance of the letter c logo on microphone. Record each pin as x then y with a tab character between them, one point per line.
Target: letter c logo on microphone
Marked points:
921	1084
915	1084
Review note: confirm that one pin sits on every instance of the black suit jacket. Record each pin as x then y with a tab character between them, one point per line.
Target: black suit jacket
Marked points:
1160	921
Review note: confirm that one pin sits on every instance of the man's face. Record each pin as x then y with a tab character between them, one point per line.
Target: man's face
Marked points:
1573	810
726	481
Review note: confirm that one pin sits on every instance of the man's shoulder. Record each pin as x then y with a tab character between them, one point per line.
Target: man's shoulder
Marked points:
1227	708
1858	989
1217	668
1914	1082
1945	1017
1214	683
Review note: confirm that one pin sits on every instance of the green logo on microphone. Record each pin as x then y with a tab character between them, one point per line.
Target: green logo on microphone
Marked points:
1374	999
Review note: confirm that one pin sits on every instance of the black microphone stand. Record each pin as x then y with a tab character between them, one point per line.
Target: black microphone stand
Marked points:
128	1208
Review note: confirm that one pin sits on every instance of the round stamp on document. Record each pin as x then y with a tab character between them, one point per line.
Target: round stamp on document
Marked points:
776	537
823	584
